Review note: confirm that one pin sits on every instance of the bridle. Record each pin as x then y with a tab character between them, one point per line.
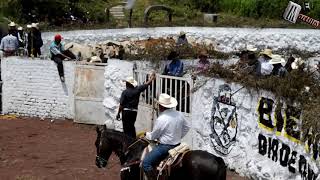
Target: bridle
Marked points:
127	166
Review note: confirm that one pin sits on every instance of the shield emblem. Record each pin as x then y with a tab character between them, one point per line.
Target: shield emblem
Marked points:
224	122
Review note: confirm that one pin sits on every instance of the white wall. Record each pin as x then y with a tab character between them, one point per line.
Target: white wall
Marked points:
243	155
115	72
227	39
33	88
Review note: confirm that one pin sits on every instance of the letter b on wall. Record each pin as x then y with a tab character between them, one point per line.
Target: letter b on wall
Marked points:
264	110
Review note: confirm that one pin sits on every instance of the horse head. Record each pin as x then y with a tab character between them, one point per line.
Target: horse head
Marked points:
108	141
102	145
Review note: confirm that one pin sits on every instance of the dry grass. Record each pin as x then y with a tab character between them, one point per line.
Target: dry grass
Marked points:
291	88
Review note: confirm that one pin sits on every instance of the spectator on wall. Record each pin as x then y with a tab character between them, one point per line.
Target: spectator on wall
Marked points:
278	69
182	39
264	68
288	67
203	63
175	67
248	61
58	54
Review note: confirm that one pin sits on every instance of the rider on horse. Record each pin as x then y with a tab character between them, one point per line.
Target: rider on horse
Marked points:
169	129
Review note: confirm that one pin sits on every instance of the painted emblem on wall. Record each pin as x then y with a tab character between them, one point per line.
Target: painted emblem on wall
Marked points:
224	122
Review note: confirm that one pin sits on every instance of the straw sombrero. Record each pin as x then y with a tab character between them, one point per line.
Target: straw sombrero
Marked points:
267	52
251	48
167	101
277	59
132	81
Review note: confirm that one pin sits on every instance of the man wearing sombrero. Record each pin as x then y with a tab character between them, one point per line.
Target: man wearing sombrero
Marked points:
264	67
9	44
129	102
182	39
169	129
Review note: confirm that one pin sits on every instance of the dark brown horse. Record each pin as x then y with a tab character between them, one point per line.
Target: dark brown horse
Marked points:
196	165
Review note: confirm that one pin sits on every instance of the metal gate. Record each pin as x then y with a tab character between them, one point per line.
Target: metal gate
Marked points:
89	91
177	87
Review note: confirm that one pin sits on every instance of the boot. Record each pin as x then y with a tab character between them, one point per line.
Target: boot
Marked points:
151	175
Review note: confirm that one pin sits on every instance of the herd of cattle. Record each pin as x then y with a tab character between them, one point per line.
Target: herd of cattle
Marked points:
102	51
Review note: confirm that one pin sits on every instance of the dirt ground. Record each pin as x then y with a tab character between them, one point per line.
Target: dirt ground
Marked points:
31	149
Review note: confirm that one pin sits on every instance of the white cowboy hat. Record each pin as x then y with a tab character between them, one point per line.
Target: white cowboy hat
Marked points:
132	81
182	33
167	101
35	25
267	52
251	48
29	26
12	24
20	28
277	59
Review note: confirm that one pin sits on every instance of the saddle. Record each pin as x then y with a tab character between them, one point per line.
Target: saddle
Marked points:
173	160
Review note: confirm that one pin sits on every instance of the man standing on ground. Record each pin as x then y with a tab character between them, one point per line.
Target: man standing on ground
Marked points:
9	44
129	102
169	129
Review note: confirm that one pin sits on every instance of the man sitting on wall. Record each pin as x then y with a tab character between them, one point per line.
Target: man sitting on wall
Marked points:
182	39
58	54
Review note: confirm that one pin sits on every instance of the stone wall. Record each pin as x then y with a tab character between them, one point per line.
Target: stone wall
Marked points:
33	88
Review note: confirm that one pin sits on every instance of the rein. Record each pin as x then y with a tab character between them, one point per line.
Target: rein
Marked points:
105	161
126	166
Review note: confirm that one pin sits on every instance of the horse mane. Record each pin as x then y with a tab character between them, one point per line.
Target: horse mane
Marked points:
119	136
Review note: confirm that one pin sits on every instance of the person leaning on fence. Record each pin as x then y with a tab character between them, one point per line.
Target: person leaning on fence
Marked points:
9	44
129	102
170	127
175	67
57	52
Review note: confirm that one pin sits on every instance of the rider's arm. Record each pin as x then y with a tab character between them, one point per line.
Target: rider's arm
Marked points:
157	130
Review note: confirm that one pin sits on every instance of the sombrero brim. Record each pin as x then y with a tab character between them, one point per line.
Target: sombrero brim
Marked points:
173	103
134	83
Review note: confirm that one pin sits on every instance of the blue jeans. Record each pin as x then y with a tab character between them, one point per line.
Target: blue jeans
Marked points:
159	153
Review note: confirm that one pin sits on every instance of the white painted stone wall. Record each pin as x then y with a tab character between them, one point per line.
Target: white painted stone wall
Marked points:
33	88
227	39
115	72
243	155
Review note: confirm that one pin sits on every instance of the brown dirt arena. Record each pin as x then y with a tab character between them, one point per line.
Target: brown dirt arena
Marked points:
31	149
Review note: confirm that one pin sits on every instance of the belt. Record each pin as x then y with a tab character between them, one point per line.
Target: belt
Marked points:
129	109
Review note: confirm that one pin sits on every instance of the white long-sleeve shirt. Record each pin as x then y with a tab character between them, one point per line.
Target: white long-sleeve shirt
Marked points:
9	43
169	128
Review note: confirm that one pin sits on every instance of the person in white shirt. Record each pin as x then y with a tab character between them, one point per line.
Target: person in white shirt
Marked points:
169	129
9	44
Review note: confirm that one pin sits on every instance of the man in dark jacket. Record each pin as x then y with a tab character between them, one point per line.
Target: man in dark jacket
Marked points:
34	41
129	102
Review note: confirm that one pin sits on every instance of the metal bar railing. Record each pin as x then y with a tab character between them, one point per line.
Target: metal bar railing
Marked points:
177	87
